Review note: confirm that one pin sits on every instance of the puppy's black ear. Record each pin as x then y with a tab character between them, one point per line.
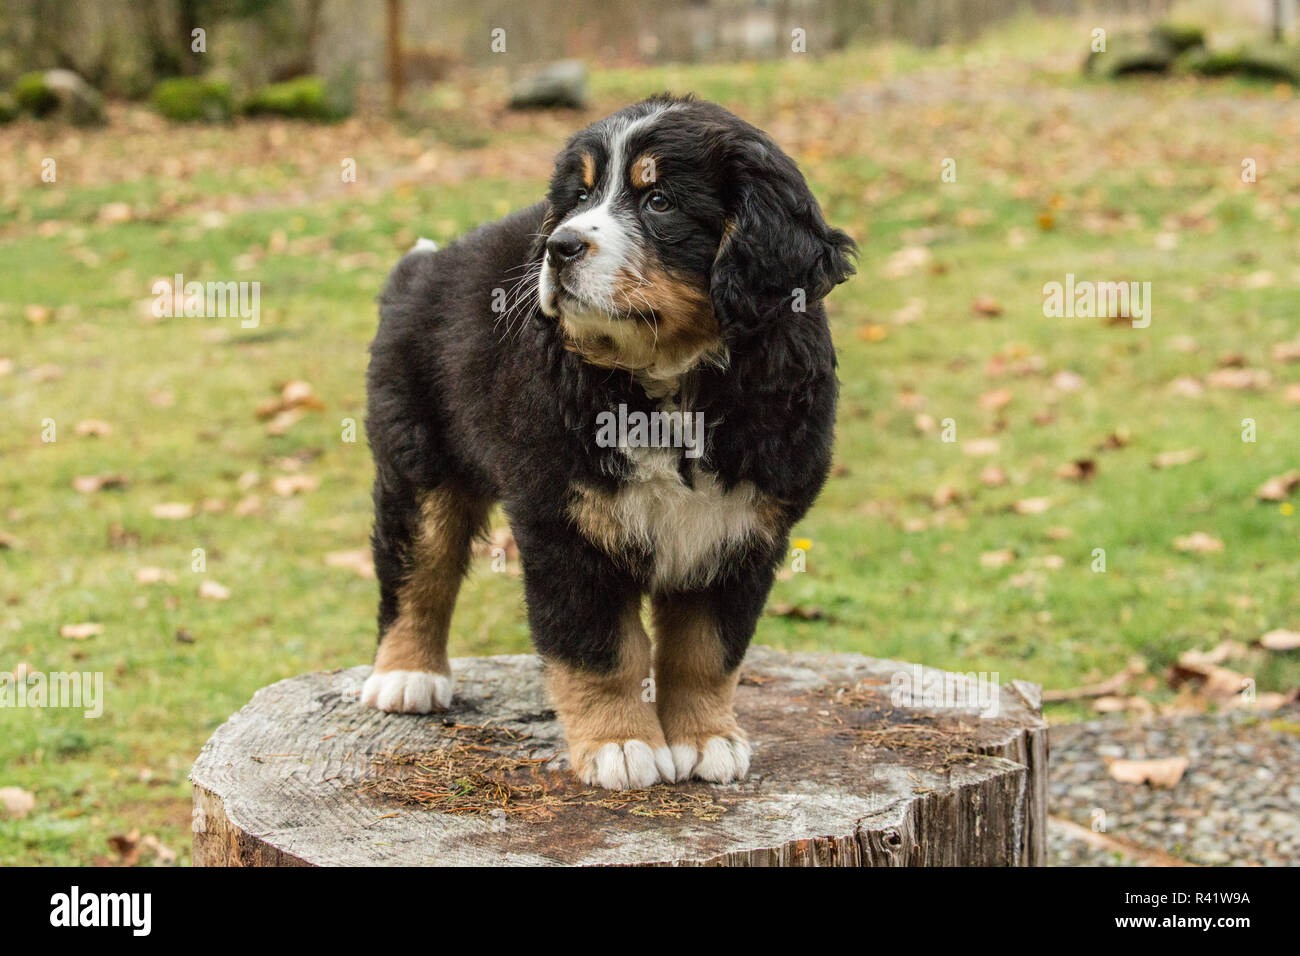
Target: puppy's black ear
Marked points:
776	248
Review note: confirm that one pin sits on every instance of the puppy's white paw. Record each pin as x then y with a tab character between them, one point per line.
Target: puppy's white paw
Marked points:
407	692
718	759
630	765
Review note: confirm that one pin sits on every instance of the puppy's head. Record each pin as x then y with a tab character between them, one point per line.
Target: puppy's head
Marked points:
674	230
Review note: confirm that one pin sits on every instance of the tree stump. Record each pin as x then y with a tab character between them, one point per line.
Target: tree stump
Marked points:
307	775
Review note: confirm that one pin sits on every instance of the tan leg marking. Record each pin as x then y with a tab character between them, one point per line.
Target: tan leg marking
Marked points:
609	719
696	694
412	673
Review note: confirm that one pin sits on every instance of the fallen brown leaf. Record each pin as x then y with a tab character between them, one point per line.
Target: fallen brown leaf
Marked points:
1186	387
996	399
1280	640
1232	360
173	511
1116	705
1110	687
283	421
981	446
126	846
114	213
906	261
909	313
295	398
1198	542
89	484
288	485
1172	459
1163	773
214	591
1240	379
1286	352
1114	441
162	853
357	560
1067	381
1081	469
1279	487
154	576
94	428
798	612
1209	680
944	495
80	632
16	802
1223	651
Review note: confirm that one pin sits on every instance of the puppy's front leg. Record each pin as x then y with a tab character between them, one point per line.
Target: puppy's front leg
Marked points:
586	624
609	715
697	667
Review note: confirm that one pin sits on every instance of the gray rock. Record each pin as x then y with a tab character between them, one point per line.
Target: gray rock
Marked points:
79	102
560	85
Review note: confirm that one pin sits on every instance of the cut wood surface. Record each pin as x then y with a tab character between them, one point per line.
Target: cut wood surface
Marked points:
306	775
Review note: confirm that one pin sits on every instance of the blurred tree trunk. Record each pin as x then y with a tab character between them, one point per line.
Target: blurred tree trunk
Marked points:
152	22
189	17
54	23
311	33
394	30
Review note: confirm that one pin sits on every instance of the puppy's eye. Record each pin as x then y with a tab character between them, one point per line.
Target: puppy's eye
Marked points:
583	195
658	202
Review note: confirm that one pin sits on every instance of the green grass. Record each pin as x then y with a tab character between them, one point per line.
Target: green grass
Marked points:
1114	166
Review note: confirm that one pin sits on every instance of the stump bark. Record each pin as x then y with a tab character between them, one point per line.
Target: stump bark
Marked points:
306	775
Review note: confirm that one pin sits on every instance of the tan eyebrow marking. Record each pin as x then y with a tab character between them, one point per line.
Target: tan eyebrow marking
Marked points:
588	170
644	170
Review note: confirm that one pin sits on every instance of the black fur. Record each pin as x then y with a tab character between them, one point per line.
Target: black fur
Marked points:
502	410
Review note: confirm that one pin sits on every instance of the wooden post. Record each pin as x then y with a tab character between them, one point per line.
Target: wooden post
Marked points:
393	21
306	775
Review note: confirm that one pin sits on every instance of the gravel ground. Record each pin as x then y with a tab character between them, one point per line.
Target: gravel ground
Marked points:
1237	804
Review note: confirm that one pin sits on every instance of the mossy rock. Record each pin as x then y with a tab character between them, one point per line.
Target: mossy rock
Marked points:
8	109
1273	64
1129	54
1178	38
33	95
193	100
61	95
307	97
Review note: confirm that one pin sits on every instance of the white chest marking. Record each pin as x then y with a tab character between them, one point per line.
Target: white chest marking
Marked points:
688	530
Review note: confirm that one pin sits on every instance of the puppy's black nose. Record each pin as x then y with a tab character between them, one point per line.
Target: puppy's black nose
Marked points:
566	246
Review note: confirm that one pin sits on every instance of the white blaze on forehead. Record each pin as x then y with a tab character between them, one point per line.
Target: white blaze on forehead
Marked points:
615	244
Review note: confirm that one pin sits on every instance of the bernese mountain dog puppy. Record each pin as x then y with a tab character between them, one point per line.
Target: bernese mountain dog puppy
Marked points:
673	275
